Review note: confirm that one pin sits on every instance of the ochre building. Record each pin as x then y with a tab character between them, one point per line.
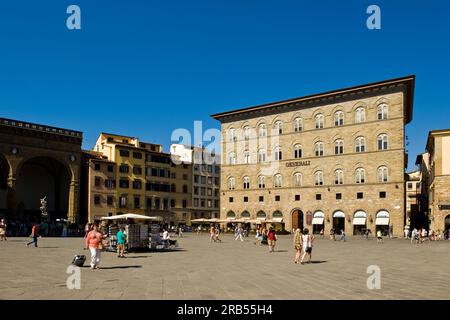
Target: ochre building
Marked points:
334	160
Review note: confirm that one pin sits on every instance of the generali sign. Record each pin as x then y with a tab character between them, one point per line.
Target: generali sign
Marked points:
298	163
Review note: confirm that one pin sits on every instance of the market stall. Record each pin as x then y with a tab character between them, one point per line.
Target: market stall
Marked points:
136	228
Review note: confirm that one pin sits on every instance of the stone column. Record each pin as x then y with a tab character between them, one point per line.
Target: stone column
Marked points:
73	214
11	196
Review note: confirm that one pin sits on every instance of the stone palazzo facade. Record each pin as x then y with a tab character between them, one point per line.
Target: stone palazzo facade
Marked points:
333	160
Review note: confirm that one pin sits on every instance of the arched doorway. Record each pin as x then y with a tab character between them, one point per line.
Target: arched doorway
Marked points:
43	177
4	173
382	222
277	220
297	219
359	223
230	217
338	221
318	222
447	224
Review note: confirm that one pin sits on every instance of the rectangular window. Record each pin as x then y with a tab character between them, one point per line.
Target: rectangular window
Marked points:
359	195
209	180
297	197
123	201
277	198
137	155
184	203
196	178
124	168
97	167
97	199
410	185
137	171
202	203
209	193
245	199
203	191
149	203
216	181
210	168
261	198
217	169
137	202
209	204
124	153
110	183
231	199
338	196
216	192
195	202
137	184
203	180
196	190
318	196
124	183
110	200
382	194
157	203
97	181
110	168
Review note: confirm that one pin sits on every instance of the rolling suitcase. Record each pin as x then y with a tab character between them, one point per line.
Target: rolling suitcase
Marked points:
79	260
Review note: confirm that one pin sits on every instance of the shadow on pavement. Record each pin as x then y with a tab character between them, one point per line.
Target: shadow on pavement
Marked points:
120	267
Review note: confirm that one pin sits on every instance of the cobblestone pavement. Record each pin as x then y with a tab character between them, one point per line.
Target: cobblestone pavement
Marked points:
229	270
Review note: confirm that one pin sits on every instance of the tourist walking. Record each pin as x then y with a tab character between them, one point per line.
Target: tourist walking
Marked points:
322	234
332	235
34	235
180	232
165	238
271	239
217	233
258	237
212	234
379	237
121	239
3	230
94	244
239	234
297	245
307	241
343	236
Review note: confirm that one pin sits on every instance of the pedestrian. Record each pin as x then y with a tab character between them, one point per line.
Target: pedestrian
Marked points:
322	234
342	235
406	232
239	234
121	239
297	244
379	237
3	230
165	238
271	239
95	245
212	234
332	235
199	228
34	235
258	237
64	231
180	232
217	233
307	241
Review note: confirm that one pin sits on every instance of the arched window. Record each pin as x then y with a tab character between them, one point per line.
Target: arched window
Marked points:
246	182
382	111
318	178
360	175
339	146
339	177
297	151
360	115
231	183
297	179
231	158
262	130
278	154
261	182
231	135
246	157
278	127
246	132
382	142
261	215
277	181
383	174
298	124
338	118
245	215
360	144
262	155
319	121
318	149
231	214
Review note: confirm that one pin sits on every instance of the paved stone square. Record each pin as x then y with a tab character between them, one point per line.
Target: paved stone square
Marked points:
229	270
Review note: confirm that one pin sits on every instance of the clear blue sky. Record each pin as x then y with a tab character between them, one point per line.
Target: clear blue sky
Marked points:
143	68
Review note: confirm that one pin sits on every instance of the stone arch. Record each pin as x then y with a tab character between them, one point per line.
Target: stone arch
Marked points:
43	176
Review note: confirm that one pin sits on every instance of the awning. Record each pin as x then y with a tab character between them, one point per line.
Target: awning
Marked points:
317	221
277	220
132	216
359	221
382	221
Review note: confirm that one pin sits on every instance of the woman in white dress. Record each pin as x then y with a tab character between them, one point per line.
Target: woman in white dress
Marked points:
307	241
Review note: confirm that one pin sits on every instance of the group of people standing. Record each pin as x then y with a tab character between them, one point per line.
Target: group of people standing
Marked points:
421	235
214	233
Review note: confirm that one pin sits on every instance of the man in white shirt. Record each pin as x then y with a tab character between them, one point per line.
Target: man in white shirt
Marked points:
165	238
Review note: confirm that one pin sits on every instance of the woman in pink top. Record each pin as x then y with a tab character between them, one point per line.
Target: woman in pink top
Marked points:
94	243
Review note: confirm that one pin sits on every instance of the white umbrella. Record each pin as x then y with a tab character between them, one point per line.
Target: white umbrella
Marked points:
131	216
